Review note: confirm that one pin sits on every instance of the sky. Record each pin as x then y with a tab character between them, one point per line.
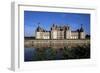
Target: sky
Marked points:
47	19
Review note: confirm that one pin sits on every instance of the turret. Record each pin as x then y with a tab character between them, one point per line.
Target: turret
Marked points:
39	32
81	32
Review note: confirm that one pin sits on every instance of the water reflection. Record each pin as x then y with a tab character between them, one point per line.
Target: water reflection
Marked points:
58	52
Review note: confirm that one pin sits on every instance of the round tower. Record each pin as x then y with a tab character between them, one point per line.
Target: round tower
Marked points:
68	33
82	33
54	31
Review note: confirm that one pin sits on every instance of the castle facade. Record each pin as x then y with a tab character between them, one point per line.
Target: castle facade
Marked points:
59	32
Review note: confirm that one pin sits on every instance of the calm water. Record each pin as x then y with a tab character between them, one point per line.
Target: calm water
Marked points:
28	54
40	54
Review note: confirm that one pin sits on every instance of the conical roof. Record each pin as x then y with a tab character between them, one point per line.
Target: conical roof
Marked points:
39	29
81	29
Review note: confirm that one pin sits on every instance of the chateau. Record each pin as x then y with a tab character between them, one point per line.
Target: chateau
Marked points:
59	32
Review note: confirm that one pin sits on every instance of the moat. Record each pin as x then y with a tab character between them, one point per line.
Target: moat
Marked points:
41	50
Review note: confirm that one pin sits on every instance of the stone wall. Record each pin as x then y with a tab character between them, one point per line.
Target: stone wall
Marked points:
56	43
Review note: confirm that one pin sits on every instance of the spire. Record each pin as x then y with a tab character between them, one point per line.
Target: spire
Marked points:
81	29
53	25
38	28
38	24
81	25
